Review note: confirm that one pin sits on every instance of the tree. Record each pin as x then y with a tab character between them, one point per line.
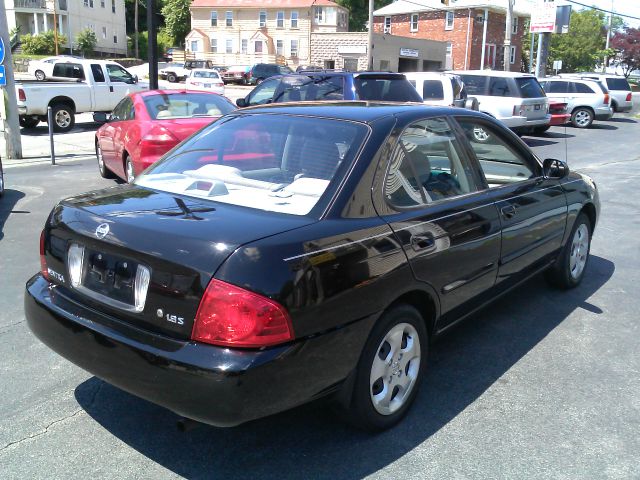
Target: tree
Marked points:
42	44
359	12
177	19
627	46
86	41
584	46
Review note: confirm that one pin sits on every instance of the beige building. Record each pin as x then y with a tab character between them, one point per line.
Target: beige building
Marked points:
105	17
261	31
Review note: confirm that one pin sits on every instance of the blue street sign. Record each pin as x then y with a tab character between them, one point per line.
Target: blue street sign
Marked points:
3	77
1	50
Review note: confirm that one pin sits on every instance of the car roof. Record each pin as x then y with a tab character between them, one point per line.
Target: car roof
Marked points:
152	93
570	79
358	111
491	73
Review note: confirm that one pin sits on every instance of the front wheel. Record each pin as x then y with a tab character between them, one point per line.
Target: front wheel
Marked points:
568	270
582	118
390	369
172	78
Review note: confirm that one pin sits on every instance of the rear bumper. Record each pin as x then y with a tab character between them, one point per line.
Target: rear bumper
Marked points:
560	119
523	122
214	385
604	113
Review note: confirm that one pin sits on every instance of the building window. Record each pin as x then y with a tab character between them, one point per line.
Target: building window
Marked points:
342	19
294	19
387	24
319	14
115	39
229	17
86	3
214	45
113	6
194	45
91	3
514	25
229	46
280	20
351	64
244	43
512	54
294	48
102	3
257	46
279	47
414	22
214	19
448	25
263	19
104	33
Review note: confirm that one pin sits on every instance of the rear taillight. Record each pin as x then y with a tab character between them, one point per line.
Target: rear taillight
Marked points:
22	97
43	261
606	99
156	143
234	317
629	96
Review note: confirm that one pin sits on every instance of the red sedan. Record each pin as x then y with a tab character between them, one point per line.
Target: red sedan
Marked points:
146	125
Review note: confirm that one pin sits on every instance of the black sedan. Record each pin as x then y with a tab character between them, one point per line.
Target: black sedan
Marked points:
291	252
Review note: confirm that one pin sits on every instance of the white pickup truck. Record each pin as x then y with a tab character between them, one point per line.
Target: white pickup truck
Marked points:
93	86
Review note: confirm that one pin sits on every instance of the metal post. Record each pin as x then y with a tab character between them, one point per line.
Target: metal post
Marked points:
50	123
153	44
484	38
13	142
370	38
543	54
606	57
55	27
507	37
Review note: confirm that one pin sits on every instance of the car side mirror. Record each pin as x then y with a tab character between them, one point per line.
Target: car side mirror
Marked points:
553	168
135	79
101	117
242	102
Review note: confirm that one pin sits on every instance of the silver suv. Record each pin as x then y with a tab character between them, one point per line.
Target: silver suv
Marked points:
618	86
587	100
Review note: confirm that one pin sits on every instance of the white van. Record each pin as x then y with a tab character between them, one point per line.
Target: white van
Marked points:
517	99
439	89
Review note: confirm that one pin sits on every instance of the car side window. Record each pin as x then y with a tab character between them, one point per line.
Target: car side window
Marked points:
557	87
499	87
501	163
432	90
118	74
427	165
123	111
263	93
98	74
68	70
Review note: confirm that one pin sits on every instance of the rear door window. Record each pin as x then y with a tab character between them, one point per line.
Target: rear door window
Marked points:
475	84
557	87
68	70
98	74
385	88
432	90
529	87
582	88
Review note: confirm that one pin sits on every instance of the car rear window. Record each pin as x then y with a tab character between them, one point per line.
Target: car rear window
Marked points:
279	163
432	90
206	74
529	87
385	88
186	105
618	84
302	88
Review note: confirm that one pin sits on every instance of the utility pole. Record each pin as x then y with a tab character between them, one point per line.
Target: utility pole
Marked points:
135	21
507	36
543	54
12	139
370	38
606	57
55	27
153	45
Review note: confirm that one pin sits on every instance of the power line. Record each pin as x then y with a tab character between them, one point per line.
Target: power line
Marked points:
603	10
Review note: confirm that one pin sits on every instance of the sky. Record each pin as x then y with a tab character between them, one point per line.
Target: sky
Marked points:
629	7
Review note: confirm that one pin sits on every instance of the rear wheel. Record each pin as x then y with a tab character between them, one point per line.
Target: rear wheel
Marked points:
40	76
172	78
63	118
128	169
582	118
102	168
29	122
390	369
570	266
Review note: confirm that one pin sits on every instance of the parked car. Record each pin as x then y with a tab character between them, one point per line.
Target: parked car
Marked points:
313	86
288	252
145	126
237	74
43	69
618	86
516	99
203	79
91	86
261	71
587	100
174	72
168	54
441	89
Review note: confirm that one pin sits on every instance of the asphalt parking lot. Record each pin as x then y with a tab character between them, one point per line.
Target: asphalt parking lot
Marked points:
542	384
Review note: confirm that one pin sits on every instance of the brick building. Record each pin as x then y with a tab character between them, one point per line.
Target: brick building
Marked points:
473	29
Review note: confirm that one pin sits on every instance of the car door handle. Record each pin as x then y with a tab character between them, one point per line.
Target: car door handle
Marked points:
422	242
509	211
111	88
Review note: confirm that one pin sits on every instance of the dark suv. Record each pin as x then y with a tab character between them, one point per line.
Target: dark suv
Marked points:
262	71
311	86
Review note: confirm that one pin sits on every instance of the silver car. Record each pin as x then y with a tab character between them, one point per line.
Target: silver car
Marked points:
618	86
587	100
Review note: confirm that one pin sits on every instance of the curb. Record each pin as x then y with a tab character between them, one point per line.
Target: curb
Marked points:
27	162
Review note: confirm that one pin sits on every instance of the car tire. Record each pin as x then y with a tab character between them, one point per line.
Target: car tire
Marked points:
379	403
172	78
614	106
129	171
541	129
40	76
568	270
63	117
582	118
102	168
29	122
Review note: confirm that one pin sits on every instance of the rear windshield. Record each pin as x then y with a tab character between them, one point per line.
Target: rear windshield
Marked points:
277	163
186	105
529	87
385	88
618	84
304	88
206	74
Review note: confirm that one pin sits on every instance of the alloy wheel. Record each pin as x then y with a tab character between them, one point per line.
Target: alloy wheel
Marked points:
582	118
63	119
480	134
579	251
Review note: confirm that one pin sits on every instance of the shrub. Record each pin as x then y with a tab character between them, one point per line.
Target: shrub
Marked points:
42	44
86	41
